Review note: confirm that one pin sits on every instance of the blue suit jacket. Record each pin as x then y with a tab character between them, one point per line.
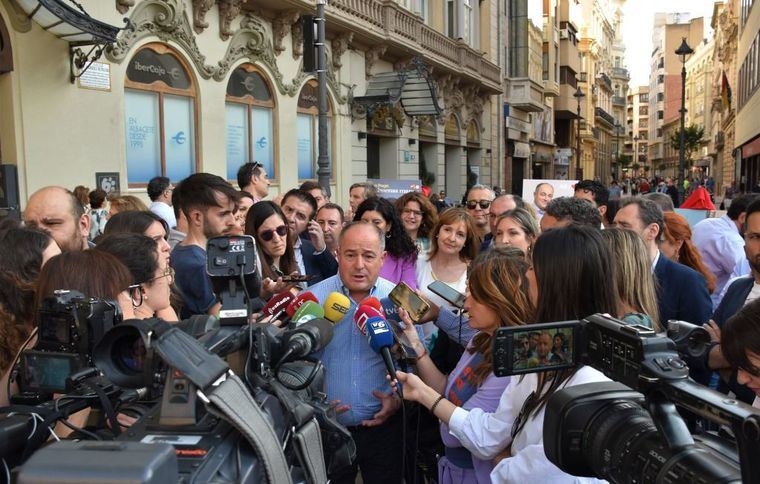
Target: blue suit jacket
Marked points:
320	266
731	303
682	295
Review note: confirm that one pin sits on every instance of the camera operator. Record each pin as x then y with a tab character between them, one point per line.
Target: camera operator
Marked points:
740	342
498	296
151	280
25	251
574	276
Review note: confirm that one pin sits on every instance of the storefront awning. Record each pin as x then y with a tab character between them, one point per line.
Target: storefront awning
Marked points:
412	87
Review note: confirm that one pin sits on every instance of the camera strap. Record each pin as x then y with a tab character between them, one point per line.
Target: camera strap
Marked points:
224	394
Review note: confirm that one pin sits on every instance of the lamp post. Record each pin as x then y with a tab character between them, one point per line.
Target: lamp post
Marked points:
323	161
683	50
618	127
578	95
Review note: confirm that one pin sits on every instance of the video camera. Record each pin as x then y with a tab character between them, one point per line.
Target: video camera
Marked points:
628	430
69	326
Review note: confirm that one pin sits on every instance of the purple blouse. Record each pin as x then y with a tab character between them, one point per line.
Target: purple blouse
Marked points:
397	269
487	398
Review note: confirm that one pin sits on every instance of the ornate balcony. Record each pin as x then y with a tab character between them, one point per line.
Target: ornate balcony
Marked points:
618	100
620	73
525	94
604	115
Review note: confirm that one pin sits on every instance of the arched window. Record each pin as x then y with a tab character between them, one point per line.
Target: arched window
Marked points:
160	109
250	121
306	129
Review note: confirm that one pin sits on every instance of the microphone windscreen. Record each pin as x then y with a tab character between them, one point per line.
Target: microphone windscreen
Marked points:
363	314
277	303
336	306
379	334
373	302
308	310
390	309
298	301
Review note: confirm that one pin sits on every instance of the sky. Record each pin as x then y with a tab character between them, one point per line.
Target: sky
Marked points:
638	19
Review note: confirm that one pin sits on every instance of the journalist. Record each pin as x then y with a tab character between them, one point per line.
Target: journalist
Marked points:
498	296
740	344
573	277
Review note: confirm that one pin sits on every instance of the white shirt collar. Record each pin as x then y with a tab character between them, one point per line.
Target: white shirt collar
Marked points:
656	260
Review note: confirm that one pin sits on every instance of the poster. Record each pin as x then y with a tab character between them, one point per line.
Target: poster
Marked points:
562	188
108	181
392	189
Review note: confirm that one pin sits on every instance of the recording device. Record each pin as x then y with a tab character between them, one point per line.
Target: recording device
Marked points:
403	296
231	266
371	323
291	309
448	293
276	306
336	306
297	278
307	312
628	430
69	325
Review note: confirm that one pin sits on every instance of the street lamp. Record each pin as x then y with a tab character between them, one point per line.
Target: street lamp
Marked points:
578	95
618	128
683	50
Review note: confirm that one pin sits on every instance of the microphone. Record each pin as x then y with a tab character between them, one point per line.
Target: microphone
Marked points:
336	306
308	311
298	301
363	314
380	338
276	305
390	309
308	338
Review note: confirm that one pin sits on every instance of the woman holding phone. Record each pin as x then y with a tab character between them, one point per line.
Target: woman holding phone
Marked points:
497	296
267	224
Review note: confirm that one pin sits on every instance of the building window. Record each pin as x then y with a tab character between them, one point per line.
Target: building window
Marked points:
660	97
545	65
160	109
660	114
307	132
249	112
660	79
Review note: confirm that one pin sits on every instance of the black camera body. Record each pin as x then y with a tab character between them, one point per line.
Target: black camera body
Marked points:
629	429
69	326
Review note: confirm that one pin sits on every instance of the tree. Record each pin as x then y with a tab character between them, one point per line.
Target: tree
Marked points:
693	135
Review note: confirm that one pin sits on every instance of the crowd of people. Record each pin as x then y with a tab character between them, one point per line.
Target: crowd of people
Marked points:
519	262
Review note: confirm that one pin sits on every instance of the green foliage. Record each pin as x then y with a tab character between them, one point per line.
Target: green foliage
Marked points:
693	135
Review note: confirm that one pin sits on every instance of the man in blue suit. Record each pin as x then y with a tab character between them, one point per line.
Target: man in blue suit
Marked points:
740	292
681	291
312	256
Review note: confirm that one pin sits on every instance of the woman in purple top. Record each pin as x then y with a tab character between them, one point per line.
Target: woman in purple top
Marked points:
498	295
400	250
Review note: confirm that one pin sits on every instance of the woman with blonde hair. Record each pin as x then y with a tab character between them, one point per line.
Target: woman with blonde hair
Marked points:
635	281
516	228
678	246
125	203
498	295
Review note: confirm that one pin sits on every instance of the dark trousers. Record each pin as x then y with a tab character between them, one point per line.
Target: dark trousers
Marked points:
378	453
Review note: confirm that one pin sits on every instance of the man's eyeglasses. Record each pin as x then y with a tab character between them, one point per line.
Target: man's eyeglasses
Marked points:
472	204
268	235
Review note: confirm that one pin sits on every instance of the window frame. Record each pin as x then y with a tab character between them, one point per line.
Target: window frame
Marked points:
250	102
162	89
314	112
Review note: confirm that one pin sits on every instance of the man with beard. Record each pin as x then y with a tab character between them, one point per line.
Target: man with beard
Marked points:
209	204
57	211
739	293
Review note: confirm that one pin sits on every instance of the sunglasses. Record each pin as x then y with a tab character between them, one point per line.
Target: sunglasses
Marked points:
268	235
484	204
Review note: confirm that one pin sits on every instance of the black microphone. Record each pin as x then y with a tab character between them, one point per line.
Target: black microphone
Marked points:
307	338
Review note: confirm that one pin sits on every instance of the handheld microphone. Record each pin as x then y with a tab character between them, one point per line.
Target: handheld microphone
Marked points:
276	306
308	338
373	302
308	311
363	314
380	338
298	302
390	309
336	306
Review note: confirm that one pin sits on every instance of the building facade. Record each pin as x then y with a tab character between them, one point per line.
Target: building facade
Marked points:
699	77
747	130
208	85
637	130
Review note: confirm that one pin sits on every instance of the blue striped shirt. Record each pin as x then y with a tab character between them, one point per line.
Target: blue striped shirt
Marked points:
353	370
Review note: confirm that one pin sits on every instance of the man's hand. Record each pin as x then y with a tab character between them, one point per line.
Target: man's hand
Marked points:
339	408
389	405
316	235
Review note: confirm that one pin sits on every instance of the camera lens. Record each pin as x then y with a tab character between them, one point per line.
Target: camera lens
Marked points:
128	353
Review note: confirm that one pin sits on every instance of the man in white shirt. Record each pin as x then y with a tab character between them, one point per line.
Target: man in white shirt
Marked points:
541	197
252	178
721	244
160	190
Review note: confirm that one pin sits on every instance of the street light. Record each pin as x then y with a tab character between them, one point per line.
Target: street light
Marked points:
635	157
578	95
683	50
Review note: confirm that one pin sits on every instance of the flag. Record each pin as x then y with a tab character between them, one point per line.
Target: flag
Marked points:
725	92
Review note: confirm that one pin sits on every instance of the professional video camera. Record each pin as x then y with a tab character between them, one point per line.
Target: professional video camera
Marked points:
69	325
628	430
276	426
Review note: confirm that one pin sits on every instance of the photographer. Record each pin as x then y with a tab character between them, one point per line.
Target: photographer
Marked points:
574	277
498	296
740	345
151	279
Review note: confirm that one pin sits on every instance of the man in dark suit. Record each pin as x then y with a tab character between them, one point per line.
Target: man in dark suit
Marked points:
740	292
682	292
312	256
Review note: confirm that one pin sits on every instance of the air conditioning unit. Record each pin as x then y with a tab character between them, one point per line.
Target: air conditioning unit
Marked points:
563	34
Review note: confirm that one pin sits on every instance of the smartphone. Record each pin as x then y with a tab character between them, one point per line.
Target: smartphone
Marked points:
536	347
448	293
403	297
297	278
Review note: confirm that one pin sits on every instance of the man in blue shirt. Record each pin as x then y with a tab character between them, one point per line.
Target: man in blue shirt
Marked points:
209	203
356	375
